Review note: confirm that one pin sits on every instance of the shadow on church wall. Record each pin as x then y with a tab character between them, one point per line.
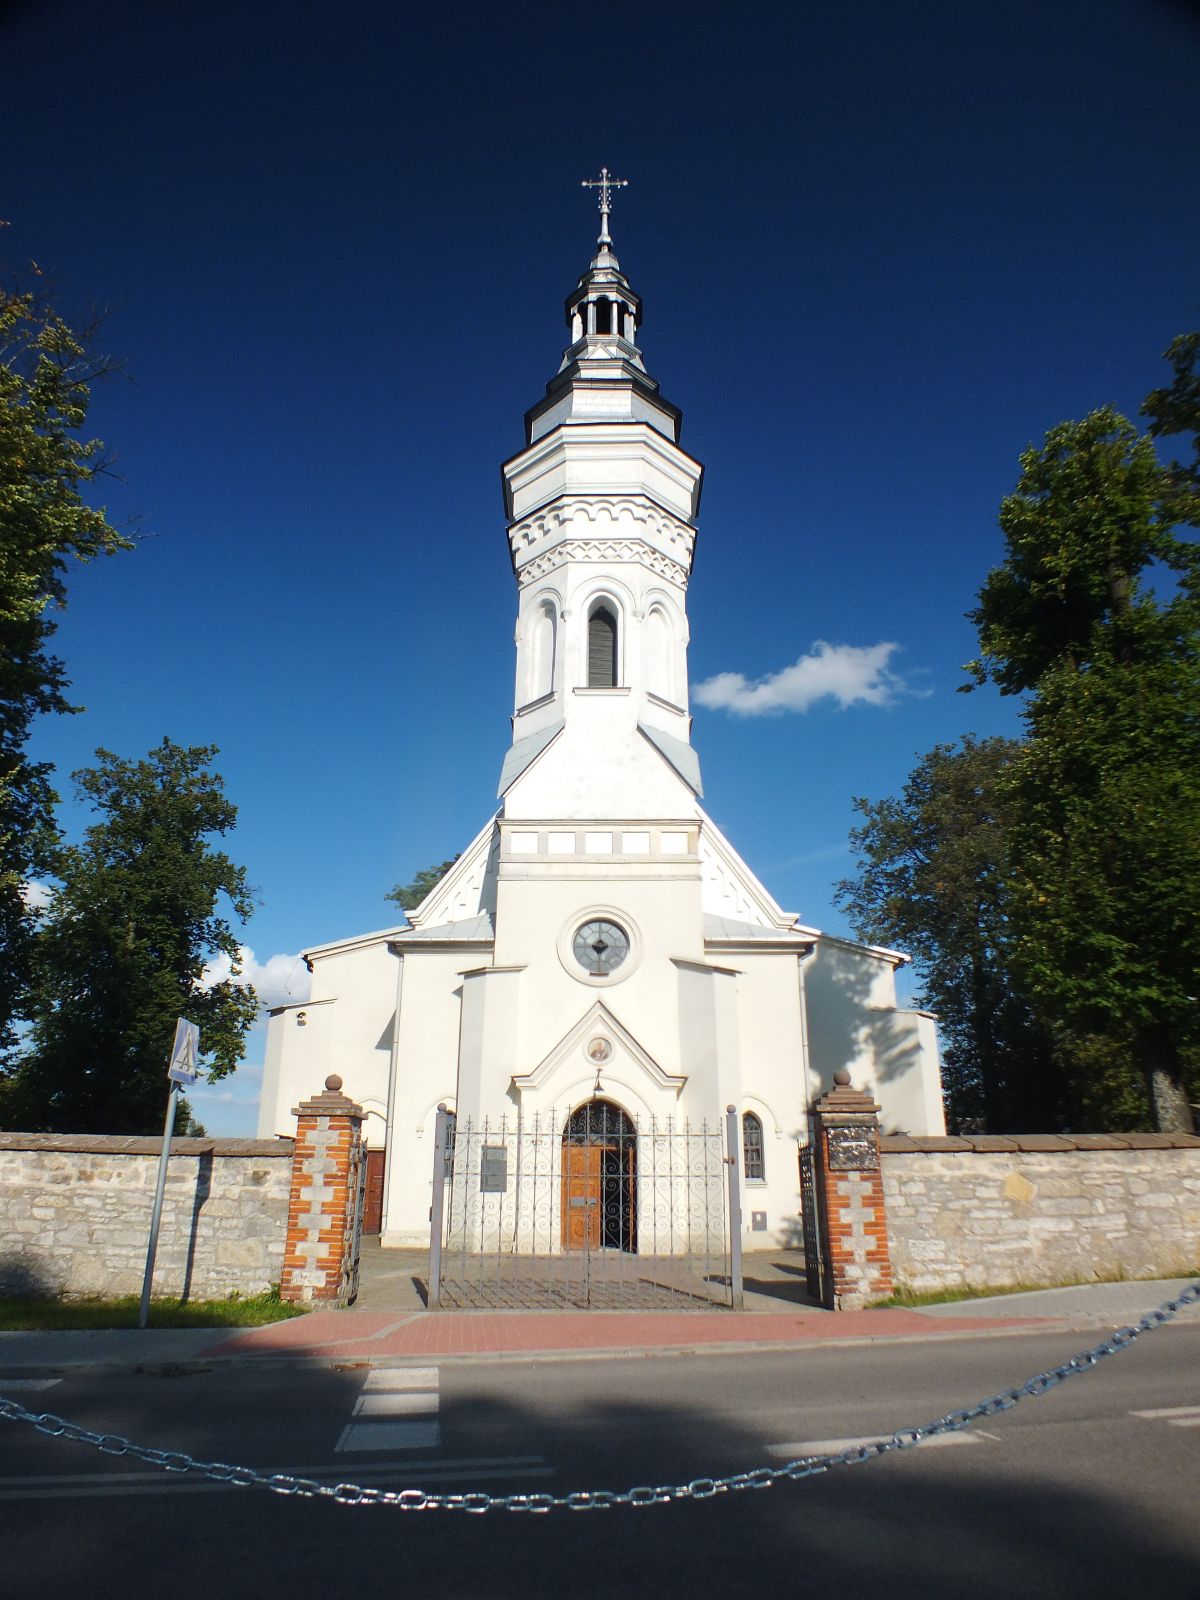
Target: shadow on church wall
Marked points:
844	1030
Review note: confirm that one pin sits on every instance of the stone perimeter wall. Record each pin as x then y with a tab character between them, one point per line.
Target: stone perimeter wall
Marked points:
75	1215
991	1211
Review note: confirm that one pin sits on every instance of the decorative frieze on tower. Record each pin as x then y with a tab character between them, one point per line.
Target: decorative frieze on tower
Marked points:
602	506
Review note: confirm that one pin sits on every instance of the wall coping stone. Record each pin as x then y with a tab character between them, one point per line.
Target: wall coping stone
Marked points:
113	1144
903	1144
331	1103
843	1101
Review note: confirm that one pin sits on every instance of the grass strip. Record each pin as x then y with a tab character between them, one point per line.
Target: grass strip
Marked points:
121	1311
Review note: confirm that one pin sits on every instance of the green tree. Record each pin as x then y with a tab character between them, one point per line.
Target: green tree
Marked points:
1175	409
409	895
1106	846
1081	527
46	466
1105	792
123	947
933	879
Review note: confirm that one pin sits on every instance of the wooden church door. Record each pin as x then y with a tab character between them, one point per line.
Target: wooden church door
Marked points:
581	1196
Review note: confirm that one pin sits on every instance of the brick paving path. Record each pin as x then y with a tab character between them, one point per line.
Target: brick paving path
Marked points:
349	1336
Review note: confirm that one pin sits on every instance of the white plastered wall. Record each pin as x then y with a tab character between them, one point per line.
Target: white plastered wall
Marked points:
772	1085
345	1027
431	986
537	916
600	766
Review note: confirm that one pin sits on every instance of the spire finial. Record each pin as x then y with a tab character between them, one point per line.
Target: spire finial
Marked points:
606	184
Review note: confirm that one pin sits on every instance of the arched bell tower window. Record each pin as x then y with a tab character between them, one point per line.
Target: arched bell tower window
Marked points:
602	649
604	311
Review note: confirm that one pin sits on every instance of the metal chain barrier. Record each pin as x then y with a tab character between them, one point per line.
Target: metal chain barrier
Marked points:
354	1494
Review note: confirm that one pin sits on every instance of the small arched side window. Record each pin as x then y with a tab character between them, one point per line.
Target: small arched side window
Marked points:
753	1166
659	677
602	649
541	651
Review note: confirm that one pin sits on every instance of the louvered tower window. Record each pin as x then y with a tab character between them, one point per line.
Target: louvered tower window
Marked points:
602	649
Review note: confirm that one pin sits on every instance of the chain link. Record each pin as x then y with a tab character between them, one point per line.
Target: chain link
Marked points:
477	1503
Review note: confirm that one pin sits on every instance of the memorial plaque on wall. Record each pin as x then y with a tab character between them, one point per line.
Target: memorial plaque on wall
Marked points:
852	1150
493	1169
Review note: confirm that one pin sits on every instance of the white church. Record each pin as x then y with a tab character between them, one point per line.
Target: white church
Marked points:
600	941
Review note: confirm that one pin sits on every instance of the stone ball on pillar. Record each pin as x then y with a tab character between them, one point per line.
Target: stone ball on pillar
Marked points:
333	1083
841	1078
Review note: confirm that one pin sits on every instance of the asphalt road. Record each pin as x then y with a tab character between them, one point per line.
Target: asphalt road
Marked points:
1088	1491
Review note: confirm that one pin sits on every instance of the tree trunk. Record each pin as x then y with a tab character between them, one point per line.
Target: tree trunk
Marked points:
1158	1058
995	1100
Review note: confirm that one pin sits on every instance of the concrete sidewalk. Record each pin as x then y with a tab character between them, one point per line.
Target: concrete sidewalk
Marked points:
388	1337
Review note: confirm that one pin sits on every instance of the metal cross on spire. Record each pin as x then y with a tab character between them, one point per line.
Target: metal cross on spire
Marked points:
606	184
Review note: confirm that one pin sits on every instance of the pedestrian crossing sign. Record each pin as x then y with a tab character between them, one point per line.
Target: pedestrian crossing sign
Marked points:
183	1067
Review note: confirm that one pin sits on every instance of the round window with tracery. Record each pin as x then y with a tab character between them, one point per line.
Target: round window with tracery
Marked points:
600	947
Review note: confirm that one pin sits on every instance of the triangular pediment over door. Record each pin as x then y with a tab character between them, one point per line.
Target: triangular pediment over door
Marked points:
579	1049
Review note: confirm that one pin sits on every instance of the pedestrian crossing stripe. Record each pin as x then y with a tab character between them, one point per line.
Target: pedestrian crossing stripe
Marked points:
1174	1416
398	1410
401	1379
834	1447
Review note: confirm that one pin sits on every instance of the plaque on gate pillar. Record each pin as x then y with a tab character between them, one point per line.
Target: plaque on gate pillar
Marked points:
852	1149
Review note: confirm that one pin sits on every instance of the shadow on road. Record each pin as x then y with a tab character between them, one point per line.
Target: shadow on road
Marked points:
914	1526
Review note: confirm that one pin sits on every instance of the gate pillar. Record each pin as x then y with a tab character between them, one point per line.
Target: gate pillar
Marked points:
849	1187
320	1258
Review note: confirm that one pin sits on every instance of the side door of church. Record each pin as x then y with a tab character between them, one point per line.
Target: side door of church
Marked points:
373	1205
581	1194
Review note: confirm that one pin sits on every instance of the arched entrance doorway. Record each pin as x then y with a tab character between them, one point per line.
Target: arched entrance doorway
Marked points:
599	1179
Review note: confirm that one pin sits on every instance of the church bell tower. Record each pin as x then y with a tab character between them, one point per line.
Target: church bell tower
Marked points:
601	507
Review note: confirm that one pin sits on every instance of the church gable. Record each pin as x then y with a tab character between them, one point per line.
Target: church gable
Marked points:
468	888
730	890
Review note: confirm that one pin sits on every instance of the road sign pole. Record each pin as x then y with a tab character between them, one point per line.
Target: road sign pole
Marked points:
156	1214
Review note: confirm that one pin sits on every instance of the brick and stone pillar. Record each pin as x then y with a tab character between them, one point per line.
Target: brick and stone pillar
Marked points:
850	1196
320	1259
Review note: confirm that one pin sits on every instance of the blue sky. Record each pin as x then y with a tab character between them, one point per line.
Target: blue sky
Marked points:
881	248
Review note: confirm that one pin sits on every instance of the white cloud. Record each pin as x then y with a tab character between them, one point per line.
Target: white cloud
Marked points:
845	673
280	980
36	895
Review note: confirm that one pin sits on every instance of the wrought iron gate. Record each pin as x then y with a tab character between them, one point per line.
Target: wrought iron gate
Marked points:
814	1234
356	1200
587	1210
